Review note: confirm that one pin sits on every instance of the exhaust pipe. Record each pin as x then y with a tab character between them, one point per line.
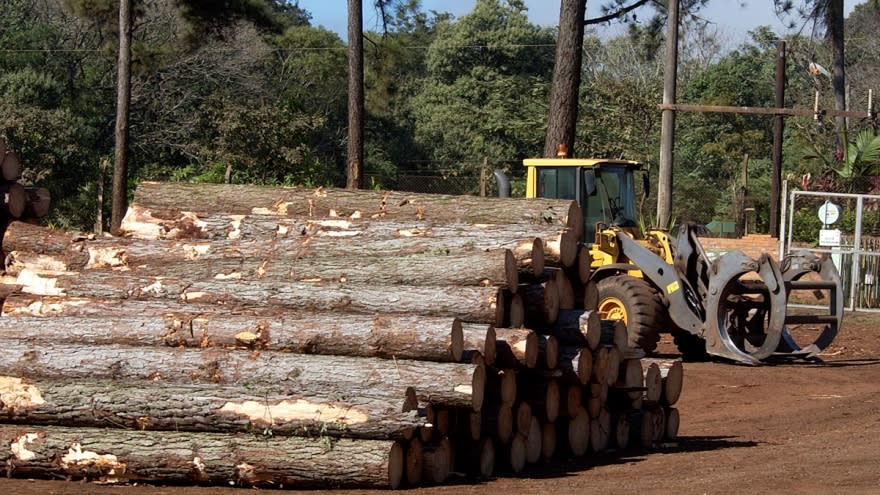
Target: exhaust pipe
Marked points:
503	183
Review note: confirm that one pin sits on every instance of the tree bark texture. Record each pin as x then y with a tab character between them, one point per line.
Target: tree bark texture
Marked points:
115	455
471	304
380	335
260	410
566	78
168	199
443	383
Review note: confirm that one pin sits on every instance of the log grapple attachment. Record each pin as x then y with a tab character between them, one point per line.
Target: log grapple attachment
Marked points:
740	308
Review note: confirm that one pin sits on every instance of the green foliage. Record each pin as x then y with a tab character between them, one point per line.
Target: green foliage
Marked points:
29	87
486	90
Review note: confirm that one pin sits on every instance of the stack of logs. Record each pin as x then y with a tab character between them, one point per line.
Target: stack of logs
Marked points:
314	338
24	203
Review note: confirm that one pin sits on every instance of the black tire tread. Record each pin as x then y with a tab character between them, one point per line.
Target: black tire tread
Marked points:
646	314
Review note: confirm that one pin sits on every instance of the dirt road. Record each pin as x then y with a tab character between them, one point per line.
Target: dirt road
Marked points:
798	428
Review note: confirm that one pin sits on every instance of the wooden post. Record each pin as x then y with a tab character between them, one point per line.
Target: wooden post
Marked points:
667	130
778	128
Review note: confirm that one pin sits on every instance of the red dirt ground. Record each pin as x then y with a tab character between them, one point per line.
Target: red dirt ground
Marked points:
795	428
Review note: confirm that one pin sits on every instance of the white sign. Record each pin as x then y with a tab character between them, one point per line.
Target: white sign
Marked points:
829	213
829	237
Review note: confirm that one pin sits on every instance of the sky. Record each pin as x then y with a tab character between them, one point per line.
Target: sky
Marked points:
734	18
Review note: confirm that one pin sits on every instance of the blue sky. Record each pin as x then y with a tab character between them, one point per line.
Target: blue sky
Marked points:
733	17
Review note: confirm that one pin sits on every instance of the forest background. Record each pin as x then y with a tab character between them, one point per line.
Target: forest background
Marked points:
253	93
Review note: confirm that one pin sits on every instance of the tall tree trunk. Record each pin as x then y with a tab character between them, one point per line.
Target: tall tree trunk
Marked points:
667	131
834	24
123	99
355	172
566	78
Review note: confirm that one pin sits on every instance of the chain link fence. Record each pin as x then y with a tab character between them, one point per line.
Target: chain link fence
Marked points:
845	226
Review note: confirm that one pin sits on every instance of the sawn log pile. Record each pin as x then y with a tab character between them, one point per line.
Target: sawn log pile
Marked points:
298	338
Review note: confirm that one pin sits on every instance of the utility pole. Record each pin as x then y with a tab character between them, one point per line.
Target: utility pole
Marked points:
778	128
667	129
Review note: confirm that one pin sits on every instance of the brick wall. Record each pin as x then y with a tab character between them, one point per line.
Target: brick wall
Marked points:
753	245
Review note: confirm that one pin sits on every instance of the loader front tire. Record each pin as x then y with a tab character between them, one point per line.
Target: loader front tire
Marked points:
633	300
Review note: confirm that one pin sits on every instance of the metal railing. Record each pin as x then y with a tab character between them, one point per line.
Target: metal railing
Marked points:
857	256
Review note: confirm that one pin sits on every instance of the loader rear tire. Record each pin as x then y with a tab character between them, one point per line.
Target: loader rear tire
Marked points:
633	300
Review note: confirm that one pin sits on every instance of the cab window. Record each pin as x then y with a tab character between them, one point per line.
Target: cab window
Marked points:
557	183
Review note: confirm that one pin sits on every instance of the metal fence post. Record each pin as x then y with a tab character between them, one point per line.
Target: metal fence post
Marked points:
857	255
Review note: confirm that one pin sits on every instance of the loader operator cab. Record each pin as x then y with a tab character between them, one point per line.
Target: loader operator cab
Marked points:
605	189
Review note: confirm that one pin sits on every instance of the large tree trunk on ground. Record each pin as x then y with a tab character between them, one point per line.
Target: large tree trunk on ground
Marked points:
245	459
475	268
472	304
140	405
442	383
380	335
374	237
168	199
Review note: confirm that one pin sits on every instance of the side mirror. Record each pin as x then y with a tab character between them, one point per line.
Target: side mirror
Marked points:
590	181
646	184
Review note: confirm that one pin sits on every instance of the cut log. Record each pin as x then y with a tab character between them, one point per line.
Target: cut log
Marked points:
672	423
548	441
468	338
529	256
498	421
615	358
518	453
380	335
548	352
414	462
573	400
246	199
578	434
591	296
600	431
600	365
577	361
522	417
14	199
614	334
620	431
577	328
10	166
562	250
435	463
450	384
540	304
472	304
658	417
533	441
476	459
114	455
501	385
632	380
516	347
597	399
653	381
565	289
268	263
211	408
642	428
543	394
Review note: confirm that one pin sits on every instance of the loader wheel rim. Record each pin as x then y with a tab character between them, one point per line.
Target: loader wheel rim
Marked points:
612	308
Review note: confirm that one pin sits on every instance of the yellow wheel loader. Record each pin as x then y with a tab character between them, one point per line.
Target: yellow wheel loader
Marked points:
733	306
